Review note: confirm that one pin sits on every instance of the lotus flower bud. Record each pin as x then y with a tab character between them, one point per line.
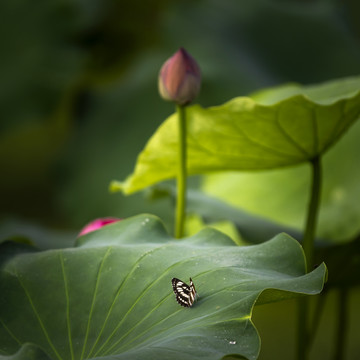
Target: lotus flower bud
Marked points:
97	224
180	78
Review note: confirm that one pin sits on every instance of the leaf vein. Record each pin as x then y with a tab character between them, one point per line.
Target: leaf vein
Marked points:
164	274
255	142
157	305
67	303
93	302
291	140
134	267
38	317
10	332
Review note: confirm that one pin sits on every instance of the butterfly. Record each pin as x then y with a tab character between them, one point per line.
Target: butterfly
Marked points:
185	294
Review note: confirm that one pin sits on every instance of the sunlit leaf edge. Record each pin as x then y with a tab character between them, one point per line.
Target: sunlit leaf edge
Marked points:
157	162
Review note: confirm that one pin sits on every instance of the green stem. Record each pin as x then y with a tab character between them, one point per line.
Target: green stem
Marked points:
181	173
312	214
342	325
308	245
303	334
318	312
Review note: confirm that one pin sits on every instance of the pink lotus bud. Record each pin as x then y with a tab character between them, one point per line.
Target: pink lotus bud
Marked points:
97	224
180	78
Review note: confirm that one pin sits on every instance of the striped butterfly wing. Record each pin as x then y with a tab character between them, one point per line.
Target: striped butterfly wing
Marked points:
185	294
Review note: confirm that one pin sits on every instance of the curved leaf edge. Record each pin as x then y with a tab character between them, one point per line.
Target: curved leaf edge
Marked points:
29	349
272	295
349	86
127	186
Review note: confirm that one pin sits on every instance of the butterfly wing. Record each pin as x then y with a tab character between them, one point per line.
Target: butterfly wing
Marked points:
185	294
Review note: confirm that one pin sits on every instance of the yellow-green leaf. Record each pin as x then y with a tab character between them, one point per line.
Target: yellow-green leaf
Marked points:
279	127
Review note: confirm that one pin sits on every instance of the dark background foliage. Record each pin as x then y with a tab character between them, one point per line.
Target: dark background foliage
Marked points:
78	89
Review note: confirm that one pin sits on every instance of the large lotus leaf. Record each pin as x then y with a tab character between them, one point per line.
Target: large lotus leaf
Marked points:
111	296
246	134
267	193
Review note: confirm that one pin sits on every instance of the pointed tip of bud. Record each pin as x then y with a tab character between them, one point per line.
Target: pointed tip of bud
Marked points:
180	78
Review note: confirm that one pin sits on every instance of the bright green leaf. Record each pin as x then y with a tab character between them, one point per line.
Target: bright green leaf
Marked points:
266	194
194	223
246	134
325	93
253	229
111	296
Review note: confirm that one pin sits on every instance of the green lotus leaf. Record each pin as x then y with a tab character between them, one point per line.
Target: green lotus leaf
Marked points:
267	131
27	352
266	194
110	297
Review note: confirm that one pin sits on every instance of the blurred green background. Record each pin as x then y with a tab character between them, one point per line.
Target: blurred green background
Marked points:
78	90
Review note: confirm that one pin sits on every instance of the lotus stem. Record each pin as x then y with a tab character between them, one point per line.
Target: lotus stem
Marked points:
181	173
312	214
303	348
341	332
